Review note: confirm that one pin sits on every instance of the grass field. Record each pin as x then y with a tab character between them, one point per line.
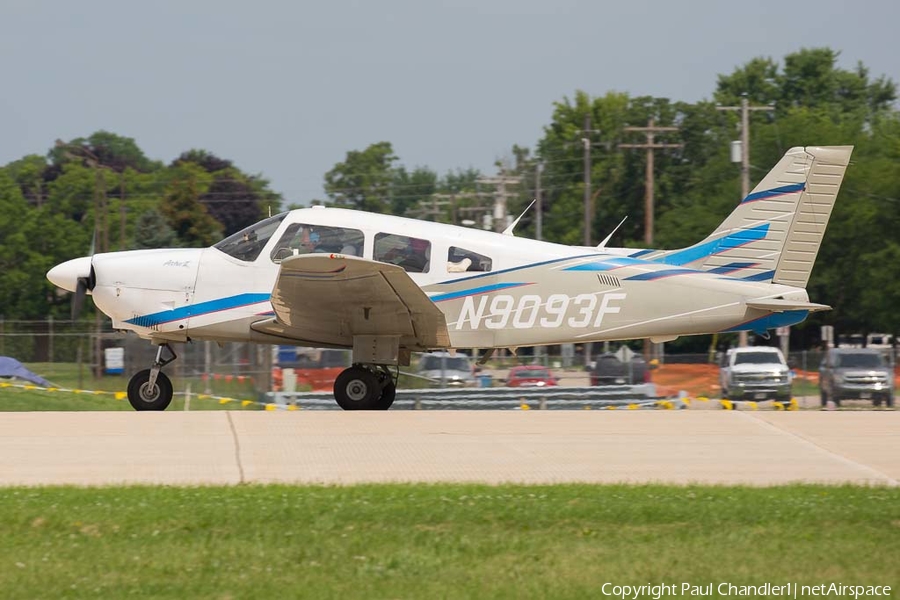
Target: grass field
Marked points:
67	376
439	541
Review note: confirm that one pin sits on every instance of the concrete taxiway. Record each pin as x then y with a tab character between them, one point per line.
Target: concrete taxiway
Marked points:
332	447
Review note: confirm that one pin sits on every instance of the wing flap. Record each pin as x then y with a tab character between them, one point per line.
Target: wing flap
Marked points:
329	298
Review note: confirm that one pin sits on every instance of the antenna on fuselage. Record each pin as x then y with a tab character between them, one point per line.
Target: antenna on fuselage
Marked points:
509	230
605	241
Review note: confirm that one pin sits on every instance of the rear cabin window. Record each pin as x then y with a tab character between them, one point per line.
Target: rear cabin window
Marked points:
302	238
413	254
460	260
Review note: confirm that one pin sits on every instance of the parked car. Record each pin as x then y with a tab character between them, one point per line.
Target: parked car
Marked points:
609	370
530	376
860	373
447	371
755	373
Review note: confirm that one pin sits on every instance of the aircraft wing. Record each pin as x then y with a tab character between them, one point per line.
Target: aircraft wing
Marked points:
329	298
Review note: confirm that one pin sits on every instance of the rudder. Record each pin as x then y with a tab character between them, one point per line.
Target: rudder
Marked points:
811	218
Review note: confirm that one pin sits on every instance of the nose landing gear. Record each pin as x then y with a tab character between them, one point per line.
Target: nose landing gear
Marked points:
151	389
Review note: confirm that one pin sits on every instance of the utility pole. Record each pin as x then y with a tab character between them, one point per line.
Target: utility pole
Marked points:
745	109
500	197
650	131
650	145
588	199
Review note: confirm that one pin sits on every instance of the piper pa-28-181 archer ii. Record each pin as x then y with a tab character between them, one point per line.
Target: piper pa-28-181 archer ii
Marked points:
388	286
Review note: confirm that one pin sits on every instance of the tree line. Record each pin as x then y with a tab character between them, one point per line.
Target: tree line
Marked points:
50	202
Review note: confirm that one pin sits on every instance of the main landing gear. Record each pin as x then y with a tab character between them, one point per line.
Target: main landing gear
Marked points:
365	387
151	389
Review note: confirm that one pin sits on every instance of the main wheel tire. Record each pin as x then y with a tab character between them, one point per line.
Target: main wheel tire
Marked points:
143	397
889	401
387	396
824	397
357	388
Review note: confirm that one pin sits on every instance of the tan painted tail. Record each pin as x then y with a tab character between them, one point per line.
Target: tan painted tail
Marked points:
774	234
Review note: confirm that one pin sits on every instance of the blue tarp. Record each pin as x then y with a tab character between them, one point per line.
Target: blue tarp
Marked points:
10	367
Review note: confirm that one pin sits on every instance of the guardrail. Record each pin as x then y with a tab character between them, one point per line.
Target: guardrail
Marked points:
498	398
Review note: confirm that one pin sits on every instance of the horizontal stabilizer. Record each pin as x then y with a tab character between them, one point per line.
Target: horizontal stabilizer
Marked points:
778	305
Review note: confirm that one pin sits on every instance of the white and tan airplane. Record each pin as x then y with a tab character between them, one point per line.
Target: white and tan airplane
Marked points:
387	286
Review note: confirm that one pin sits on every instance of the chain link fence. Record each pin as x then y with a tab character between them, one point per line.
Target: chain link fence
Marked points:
211	366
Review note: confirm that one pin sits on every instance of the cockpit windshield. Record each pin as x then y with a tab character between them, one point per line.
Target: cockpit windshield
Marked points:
248	243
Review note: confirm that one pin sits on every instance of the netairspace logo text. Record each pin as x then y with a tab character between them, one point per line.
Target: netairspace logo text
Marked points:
788	590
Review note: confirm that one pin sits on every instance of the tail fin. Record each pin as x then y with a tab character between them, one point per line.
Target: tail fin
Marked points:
774	234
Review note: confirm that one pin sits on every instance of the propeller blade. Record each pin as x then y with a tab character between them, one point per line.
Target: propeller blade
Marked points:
78	297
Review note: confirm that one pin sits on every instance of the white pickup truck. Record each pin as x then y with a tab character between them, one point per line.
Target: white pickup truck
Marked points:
755	373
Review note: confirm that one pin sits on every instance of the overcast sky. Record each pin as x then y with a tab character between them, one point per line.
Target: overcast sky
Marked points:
286	88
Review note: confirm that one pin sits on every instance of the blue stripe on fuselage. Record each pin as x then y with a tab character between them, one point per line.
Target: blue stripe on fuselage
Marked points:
651	275
486	289
723	244
200	308
607	264
641	253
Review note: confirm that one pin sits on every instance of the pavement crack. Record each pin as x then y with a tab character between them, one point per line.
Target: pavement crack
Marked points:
237	448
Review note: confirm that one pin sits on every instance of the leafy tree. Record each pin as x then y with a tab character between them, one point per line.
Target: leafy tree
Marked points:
410	189
363	181
73	192
111	150
182	208
29	173
33	241
153	231
234	199
810	79
461	180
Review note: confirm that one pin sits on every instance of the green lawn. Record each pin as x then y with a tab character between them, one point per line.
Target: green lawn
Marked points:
66	376
437	541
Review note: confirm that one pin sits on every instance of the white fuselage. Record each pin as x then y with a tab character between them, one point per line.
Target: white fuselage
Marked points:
534	292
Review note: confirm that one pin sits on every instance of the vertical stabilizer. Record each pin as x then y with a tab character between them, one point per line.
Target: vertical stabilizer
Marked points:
775	232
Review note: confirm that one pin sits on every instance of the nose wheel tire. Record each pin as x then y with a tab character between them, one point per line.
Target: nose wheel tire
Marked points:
144	397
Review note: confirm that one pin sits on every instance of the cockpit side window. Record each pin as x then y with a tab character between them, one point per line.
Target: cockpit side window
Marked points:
460	260
302	238
413	254
246	244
